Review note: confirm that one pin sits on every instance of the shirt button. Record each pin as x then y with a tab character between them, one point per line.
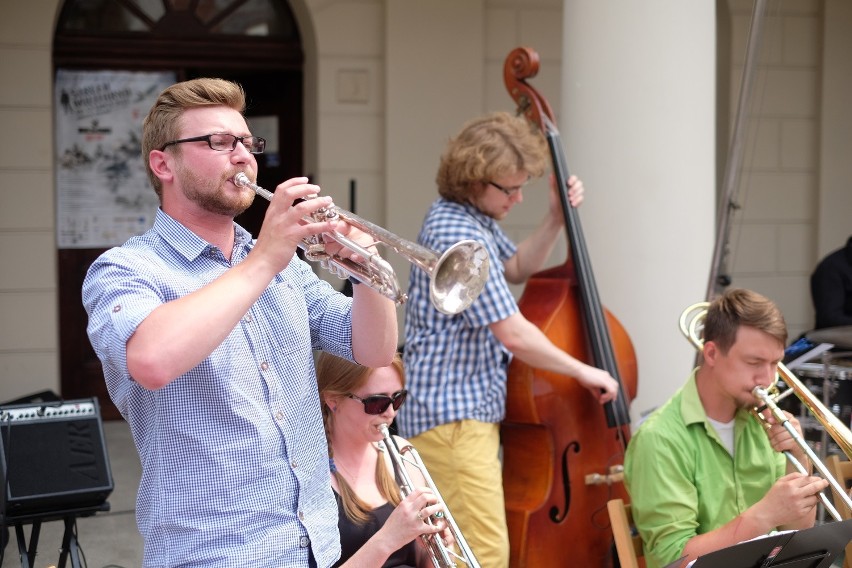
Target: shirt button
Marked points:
247	319
304	542
302	518
264	366
294	464
279	415
116	308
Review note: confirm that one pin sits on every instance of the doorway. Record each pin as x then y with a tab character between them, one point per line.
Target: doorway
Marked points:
253	42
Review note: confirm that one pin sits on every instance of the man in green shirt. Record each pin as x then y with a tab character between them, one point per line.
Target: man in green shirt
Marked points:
702	472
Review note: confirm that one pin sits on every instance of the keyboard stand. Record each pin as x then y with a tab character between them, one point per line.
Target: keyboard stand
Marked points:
70	548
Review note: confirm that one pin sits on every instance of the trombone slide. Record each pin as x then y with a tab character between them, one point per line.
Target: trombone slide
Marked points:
767	399
442	557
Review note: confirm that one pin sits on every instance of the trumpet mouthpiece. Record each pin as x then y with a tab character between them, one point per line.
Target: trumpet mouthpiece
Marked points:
242	180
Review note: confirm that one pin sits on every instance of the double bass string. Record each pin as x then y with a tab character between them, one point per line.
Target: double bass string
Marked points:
618	413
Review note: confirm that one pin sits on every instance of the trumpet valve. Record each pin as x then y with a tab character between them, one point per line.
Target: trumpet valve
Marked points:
315	252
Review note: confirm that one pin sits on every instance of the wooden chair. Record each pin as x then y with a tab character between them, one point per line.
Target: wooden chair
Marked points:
628	543
841	470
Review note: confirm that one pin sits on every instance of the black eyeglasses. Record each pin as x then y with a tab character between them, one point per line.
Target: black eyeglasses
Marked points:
378	403
225	142
507	191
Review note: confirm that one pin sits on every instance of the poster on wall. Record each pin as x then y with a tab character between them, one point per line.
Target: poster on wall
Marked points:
103	193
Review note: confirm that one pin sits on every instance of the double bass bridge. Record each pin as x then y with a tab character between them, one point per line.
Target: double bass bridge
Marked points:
615	475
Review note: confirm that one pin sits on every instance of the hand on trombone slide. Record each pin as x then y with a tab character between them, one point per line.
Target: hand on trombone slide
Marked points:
780	437
417	515
791	501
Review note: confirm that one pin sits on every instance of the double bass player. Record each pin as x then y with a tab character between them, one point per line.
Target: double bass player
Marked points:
457	365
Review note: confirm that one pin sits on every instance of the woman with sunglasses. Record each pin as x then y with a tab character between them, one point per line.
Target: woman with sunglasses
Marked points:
377	527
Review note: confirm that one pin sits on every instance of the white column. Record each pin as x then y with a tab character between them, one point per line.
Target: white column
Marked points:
638	125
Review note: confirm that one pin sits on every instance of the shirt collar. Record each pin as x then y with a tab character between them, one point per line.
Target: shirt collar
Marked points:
187	243
486	221
691	409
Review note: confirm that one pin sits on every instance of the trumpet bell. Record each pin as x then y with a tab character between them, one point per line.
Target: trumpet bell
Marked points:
458	277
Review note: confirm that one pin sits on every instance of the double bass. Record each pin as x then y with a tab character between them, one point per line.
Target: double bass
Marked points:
563	452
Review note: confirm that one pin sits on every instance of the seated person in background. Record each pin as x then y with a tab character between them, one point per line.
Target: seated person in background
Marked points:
377	527
831	288
703	473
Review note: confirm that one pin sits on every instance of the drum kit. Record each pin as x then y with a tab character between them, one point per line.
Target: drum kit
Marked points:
830	377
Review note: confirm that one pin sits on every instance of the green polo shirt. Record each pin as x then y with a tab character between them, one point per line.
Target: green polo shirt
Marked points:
683	482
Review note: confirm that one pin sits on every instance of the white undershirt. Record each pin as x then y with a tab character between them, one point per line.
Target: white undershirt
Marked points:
725	430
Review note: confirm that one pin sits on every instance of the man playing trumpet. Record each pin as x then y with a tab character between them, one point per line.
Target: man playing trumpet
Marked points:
702	472
207	337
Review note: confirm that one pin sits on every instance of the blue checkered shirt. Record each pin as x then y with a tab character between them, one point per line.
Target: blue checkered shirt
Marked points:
234	456
455	367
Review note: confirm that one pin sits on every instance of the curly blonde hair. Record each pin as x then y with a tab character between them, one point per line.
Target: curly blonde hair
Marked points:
489	147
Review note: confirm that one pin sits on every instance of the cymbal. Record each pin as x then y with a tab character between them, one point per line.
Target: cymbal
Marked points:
840	336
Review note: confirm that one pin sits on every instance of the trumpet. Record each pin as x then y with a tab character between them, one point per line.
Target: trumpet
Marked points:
442	556
456	277
691	325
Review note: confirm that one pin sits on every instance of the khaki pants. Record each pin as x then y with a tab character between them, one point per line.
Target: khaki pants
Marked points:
463	460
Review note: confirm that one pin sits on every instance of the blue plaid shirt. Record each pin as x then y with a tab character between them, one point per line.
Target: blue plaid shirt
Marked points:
234	456
455	367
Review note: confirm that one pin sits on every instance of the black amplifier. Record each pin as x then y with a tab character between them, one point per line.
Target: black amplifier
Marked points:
53	458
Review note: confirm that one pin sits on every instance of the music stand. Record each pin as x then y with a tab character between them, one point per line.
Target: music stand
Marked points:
816	547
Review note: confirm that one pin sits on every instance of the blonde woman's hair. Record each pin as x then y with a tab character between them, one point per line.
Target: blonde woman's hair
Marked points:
337	378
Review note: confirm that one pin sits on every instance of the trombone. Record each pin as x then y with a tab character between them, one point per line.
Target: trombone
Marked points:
691	325
456	278
442	556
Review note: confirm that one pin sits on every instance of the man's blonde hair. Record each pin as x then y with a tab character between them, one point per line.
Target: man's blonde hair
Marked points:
162	124
740	307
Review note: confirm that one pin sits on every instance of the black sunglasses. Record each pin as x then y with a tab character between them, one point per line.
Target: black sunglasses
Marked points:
378	403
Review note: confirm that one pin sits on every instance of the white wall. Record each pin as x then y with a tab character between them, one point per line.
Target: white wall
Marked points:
29	359
773	237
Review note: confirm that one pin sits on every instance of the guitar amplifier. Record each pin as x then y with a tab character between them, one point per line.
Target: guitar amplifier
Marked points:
53	458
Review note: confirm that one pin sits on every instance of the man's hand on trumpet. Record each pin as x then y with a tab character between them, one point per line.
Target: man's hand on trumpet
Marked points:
295	214
355	235
284	226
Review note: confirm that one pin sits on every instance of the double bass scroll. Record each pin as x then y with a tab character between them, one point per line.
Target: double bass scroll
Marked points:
562	452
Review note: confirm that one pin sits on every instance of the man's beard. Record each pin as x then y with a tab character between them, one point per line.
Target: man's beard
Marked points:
210	196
